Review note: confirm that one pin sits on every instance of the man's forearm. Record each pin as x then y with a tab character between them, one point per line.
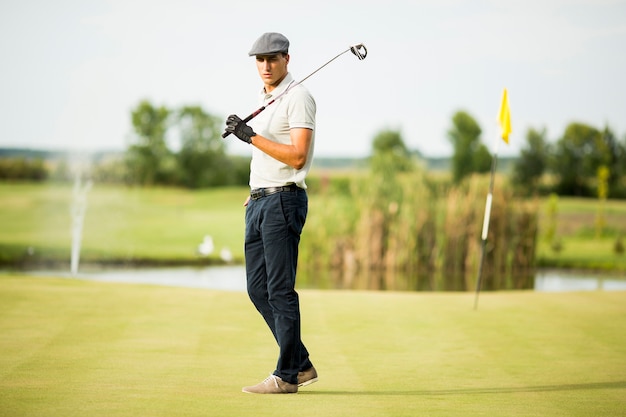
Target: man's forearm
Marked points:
295	154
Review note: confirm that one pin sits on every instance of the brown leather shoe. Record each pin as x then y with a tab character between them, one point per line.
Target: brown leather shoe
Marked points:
272	385
307	377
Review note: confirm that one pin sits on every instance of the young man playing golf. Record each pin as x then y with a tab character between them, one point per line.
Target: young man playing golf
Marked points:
282	139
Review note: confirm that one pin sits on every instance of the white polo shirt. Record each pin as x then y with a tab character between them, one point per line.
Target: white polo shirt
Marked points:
296	109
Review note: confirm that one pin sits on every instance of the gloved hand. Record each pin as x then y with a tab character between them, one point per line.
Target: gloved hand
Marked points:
237	127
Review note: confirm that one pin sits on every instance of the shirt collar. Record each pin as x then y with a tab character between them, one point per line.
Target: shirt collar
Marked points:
284	84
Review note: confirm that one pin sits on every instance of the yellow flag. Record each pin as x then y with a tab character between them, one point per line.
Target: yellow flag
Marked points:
504	118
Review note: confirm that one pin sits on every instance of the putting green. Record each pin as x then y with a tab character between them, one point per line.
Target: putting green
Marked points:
79	348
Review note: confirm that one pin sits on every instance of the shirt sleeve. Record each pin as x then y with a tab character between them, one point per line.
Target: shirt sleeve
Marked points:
302	109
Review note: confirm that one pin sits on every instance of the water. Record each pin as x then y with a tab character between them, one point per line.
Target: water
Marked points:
559	281
233	278
226	278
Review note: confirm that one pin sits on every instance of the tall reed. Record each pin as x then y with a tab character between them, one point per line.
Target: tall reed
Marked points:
404	233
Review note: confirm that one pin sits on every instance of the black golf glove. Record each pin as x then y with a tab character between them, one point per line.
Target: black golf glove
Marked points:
239	128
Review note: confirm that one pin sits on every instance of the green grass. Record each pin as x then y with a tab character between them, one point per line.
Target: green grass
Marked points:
80	348
583	246
121	223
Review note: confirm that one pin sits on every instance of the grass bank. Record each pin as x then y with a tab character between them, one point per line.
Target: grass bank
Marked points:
586	233
78	348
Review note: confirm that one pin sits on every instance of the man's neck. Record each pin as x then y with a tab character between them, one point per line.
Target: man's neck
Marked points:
271	87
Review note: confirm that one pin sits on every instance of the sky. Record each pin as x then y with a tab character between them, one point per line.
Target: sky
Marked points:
71	71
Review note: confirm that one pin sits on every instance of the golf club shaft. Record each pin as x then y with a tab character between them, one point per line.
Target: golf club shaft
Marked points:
355	49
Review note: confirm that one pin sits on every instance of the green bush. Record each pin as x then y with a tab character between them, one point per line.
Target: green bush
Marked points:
23	169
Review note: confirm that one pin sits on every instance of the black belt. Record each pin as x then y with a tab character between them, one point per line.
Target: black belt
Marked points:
262	192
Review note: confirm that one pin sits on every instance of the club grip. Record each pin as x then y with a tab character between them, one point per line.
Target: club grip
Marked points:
247	119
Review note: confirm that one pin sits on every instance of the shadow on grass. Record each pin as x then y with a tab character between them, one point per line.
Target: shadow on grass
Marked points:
472	391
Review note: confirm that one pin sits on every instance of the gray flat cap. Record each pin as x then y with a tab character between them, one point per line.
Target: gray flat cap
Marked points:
270	43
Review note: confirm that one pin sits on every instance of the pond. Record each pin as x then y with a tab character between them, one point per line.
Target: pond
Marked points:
233	278
558	281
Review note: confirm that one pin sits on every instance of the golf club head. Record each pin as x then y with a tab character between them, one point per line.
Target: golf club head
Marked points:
359	50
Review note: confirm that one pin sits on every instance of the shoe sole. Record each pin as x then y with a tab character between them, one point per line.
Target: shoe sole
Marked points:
309	382
267	393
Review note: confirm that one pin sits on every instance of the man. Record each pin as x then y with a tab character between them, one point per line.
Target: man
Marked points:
282	137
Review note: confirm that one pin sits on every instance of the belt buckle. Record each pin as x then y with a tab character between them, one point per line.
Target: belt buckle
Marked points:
256	194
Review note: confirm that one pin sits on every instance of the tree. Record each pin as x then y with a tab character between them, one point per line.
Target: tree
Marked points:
390	154
577	157
533	160
148	159
616	159
202	158
482	159
470	155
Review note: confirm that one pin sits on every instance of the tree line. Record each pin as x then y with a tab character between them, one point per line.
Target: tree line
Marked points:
199	161
582	161
578	163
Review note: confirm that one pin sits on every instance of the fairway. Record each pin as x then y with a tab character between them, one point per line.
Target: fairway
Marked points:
79	348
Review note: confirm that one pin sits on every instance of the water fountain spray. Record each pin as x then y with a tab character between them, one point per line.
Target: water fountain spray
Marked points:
79	206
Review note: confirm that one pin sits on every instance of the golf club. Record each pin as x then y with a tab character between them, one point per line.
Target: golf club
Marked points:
359	50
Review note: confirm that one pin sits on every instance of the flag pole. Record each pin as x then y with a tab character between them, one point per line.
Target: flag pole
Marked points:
504	119
486	219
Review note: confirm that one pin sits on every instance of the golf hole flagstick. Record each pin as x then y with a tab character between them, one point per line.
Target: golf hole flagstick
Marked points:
358	50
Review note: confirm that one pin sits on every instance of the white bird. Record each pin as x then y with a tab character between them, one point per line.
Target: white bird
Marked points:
206	247
226	255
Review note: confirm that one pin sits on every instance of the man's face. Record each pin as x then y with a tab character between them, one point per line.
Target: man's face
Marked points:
272	69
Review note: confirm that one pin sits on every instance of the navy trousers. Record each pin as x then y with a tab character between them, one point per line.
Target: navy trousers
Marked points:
273	227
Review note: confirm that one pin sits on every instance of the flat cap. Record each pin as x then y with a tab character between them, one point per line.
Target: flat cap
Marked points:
270	43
